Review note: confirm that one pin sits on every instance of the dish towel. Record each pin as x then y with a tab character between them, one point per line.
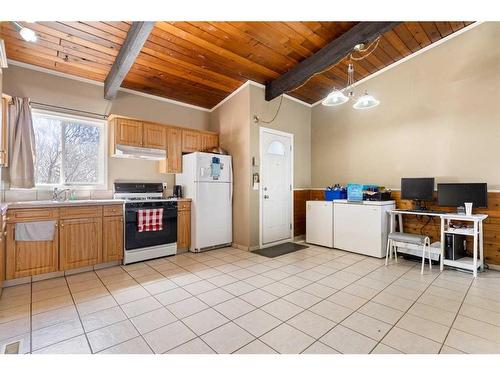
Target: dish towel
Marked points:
36	231
150	220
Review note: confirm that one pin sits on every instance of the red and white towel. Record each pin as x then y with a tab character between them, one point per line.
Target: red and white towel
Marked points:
150	220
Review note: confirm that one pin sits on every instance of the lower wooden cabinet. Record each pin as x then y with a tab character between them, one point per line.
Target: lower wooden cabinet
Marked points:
183	226
112	238
2	252
84	236
80	243
27	258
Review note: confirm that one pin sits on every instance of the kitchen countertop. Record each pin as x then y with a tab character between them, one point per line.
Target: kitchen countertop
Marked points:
50	203
53	204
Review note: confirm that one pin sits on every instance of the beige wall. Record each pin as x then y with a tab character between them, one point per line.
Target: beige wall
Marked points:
240	136
439	116
55	90
294	118
232	121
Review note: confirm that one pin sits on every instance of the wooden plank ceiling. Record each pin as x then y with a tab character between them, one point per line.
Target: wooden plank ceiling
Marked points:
201	63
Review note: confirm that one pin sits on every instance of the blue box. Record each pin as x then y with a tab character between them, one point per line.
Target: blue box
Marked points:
355	192
330	195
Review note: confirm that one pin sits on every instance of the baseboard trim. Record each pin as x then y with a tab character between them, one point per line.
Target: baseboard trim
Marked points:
494	267
53	275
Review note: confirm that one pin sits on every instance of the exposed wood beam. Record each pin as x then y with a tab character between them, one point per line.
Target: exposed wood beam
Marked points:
136	37
327	56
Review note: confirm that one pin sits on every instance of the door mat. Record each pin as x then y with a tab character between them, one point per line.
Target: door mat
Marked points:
281	249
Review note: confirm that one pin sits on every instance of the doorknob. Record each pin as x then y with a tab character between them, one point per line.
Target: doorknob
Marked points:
265	188
266	196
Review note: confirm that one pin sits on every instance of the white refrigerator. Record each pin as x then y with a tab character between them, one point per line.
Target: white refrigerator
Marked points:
208	180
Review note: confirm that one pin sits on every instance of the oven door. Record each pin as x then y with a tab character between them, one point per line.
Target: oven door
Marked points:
136	240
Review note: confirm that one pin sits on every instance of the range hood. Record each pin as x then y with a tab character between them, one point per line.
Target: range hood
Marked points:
131	152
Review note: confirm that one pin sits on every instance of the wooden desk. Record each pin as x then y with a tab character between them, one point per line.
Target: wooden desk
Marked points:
466	263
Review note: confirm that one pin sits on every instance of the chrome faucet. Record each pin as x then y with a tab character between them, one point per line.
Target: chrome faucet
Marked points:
58	193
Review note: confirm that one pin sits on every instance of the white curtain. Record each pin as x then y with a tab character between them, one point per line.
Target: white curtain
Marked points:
22	155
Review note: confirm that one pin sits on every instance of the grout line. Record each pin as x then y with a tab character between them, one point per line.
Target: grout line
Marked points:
406	311
128	319
78	313
455	318
355	310
289	262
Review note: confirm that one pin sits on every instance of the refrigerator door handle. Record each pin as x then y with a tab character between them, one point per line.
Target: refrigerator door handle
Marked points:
231	183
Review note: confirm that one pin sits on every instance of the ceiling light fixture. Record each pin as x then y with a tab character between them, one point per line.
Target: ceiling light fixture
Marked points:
338	97
26	33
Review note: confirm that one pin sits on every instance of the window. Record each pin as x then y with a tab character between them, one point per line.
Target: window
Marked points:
276	148
69	151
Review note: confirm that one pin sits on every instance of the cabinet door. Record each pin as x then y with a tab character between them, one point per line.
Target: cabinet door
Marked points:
2	252
191	141
27	258
155	136
174	151
80	242
209	141
183	229
112	246
129	132
4	143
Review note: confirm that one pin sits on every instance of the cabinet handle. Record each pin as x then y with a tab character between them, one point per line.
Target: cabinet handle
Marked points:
121	220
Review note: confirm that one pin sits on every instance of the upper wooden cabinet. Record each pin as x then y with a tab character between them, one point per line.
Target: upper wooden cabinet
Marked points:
191	141
173	162
155	136
176	140
128	132
209	141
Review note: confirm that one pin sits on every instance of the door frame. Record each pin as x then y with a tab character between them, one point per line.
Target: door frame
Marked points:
263	130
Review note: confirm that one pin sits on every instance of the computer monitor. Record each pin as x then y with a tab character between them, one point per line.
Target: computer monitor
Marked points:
418	190
456	194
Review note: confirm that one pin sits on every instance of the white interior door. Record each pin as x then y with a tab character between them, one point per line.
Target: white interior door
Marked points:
276	186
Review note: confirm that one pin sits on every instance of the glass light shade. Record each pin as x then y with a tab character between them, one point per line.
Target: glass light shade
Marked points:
366	101
336	97
27	34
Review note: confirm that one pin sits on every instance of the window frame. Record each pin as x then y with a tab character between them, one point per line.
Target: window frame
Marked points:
101	123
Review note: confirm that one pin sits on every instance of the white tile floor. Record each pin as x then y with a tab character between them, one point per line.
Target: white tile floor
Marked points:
315	300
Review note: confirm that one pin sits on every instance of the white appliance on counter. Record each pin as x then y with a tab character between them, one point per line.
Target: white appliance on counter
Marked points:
207	179
361	227
319	223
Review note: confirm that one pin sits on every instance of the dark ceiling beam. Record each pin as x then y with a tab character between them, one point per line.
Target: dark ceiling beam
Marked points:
136	37
332	53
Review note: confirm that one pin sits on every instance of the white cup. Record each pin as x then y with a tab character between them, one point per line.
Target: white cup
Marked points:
468	208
